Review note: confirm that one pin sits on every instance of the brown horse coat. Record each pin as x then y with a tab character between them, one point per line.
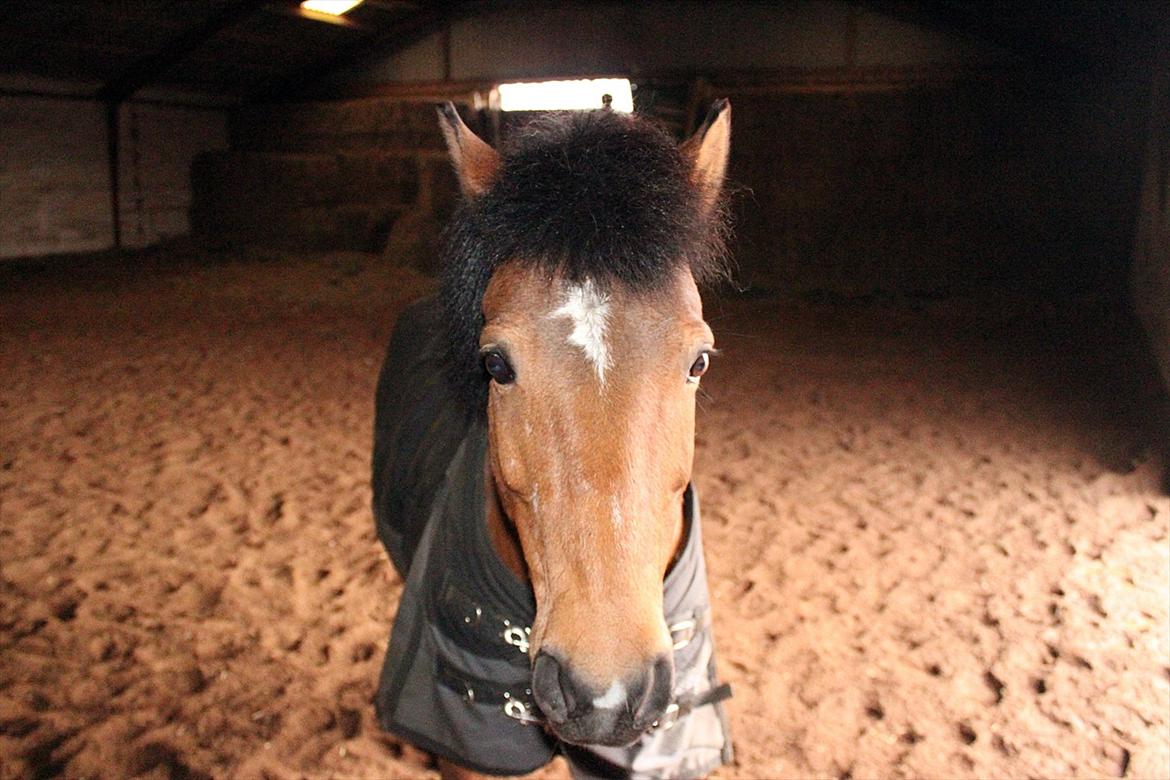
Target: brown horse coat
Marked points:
456	675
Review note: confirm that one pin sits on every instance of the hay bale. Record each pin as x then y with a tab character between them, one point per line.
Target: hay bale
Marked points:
439	187
245	178
414	242
362	227
375	176
369	123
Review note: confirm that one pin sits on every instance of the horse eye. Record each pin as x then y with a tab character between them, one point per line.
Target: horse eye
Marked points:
699	367
498	369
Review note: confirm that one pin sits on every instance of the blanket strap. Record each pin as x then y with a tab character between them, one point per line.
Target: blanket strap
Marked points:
517	703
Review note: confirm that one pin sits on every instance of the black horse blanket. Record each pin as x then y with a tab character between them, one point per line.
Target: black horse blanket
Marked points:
456	675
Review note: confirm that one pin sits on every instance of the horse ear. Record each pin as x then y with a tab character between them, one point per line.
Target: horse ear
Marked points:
707	151
476	163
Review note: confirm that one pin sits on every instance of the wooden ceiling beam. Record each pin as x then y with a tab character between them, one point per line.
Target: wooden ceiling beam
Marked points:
394	37
990	23
147	70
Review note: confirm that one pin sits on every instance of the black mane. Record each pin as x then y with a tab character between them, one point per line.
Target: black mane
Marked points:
592	195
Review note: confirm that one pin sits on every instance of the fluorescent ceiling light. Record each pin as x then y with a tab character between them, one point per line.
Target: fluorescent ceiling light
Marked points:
330	7
565	95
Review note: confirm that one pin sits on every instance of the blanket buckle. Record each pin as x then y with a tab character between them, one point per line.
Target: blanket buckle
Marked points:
517	637
518	710
682	632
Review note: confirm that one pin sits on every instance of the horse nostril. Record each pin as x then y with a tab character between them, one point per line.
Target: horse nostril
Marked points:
657	694
584	714
550	689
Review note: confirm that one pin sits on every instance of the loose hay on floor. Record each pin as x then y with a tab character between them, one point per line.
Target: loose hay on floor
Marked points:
937	544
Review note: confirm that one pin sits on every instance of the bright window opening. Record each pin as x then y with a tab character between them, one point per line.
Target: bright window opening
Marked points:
576	95
330	7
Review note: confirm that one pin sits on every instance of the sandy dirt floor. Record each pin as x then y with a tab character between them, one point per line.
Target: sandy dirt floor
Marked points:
937	537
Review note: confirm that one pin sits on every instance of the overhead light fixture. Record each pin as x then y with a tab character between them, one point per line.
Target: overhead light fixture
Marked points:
576	95
330	7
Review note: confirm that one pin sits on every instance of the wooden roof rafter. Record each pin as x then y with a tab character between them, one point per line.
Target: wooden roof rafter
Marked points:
415	23
148	69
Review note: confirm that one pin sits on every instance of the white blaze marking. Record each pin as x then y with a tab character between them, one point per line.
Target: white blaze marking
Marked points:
615	695
589	311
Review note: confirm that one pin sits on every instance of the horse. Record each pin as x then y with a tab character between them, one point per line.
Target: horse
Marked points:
533	452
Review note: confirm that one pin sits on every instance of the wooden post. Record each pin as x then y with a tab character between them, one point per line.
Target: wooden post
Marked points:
446	40
113	153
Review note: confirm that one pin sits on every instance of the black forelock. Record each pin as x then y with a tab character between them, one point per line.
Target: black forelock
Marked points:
593	195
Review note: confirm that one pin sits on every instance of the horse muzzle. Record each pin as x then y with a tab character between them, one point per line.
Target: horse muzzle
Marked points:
617	714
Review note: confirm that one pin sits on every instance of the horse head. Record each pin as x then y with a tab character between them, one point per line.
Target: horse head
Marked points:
572	293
